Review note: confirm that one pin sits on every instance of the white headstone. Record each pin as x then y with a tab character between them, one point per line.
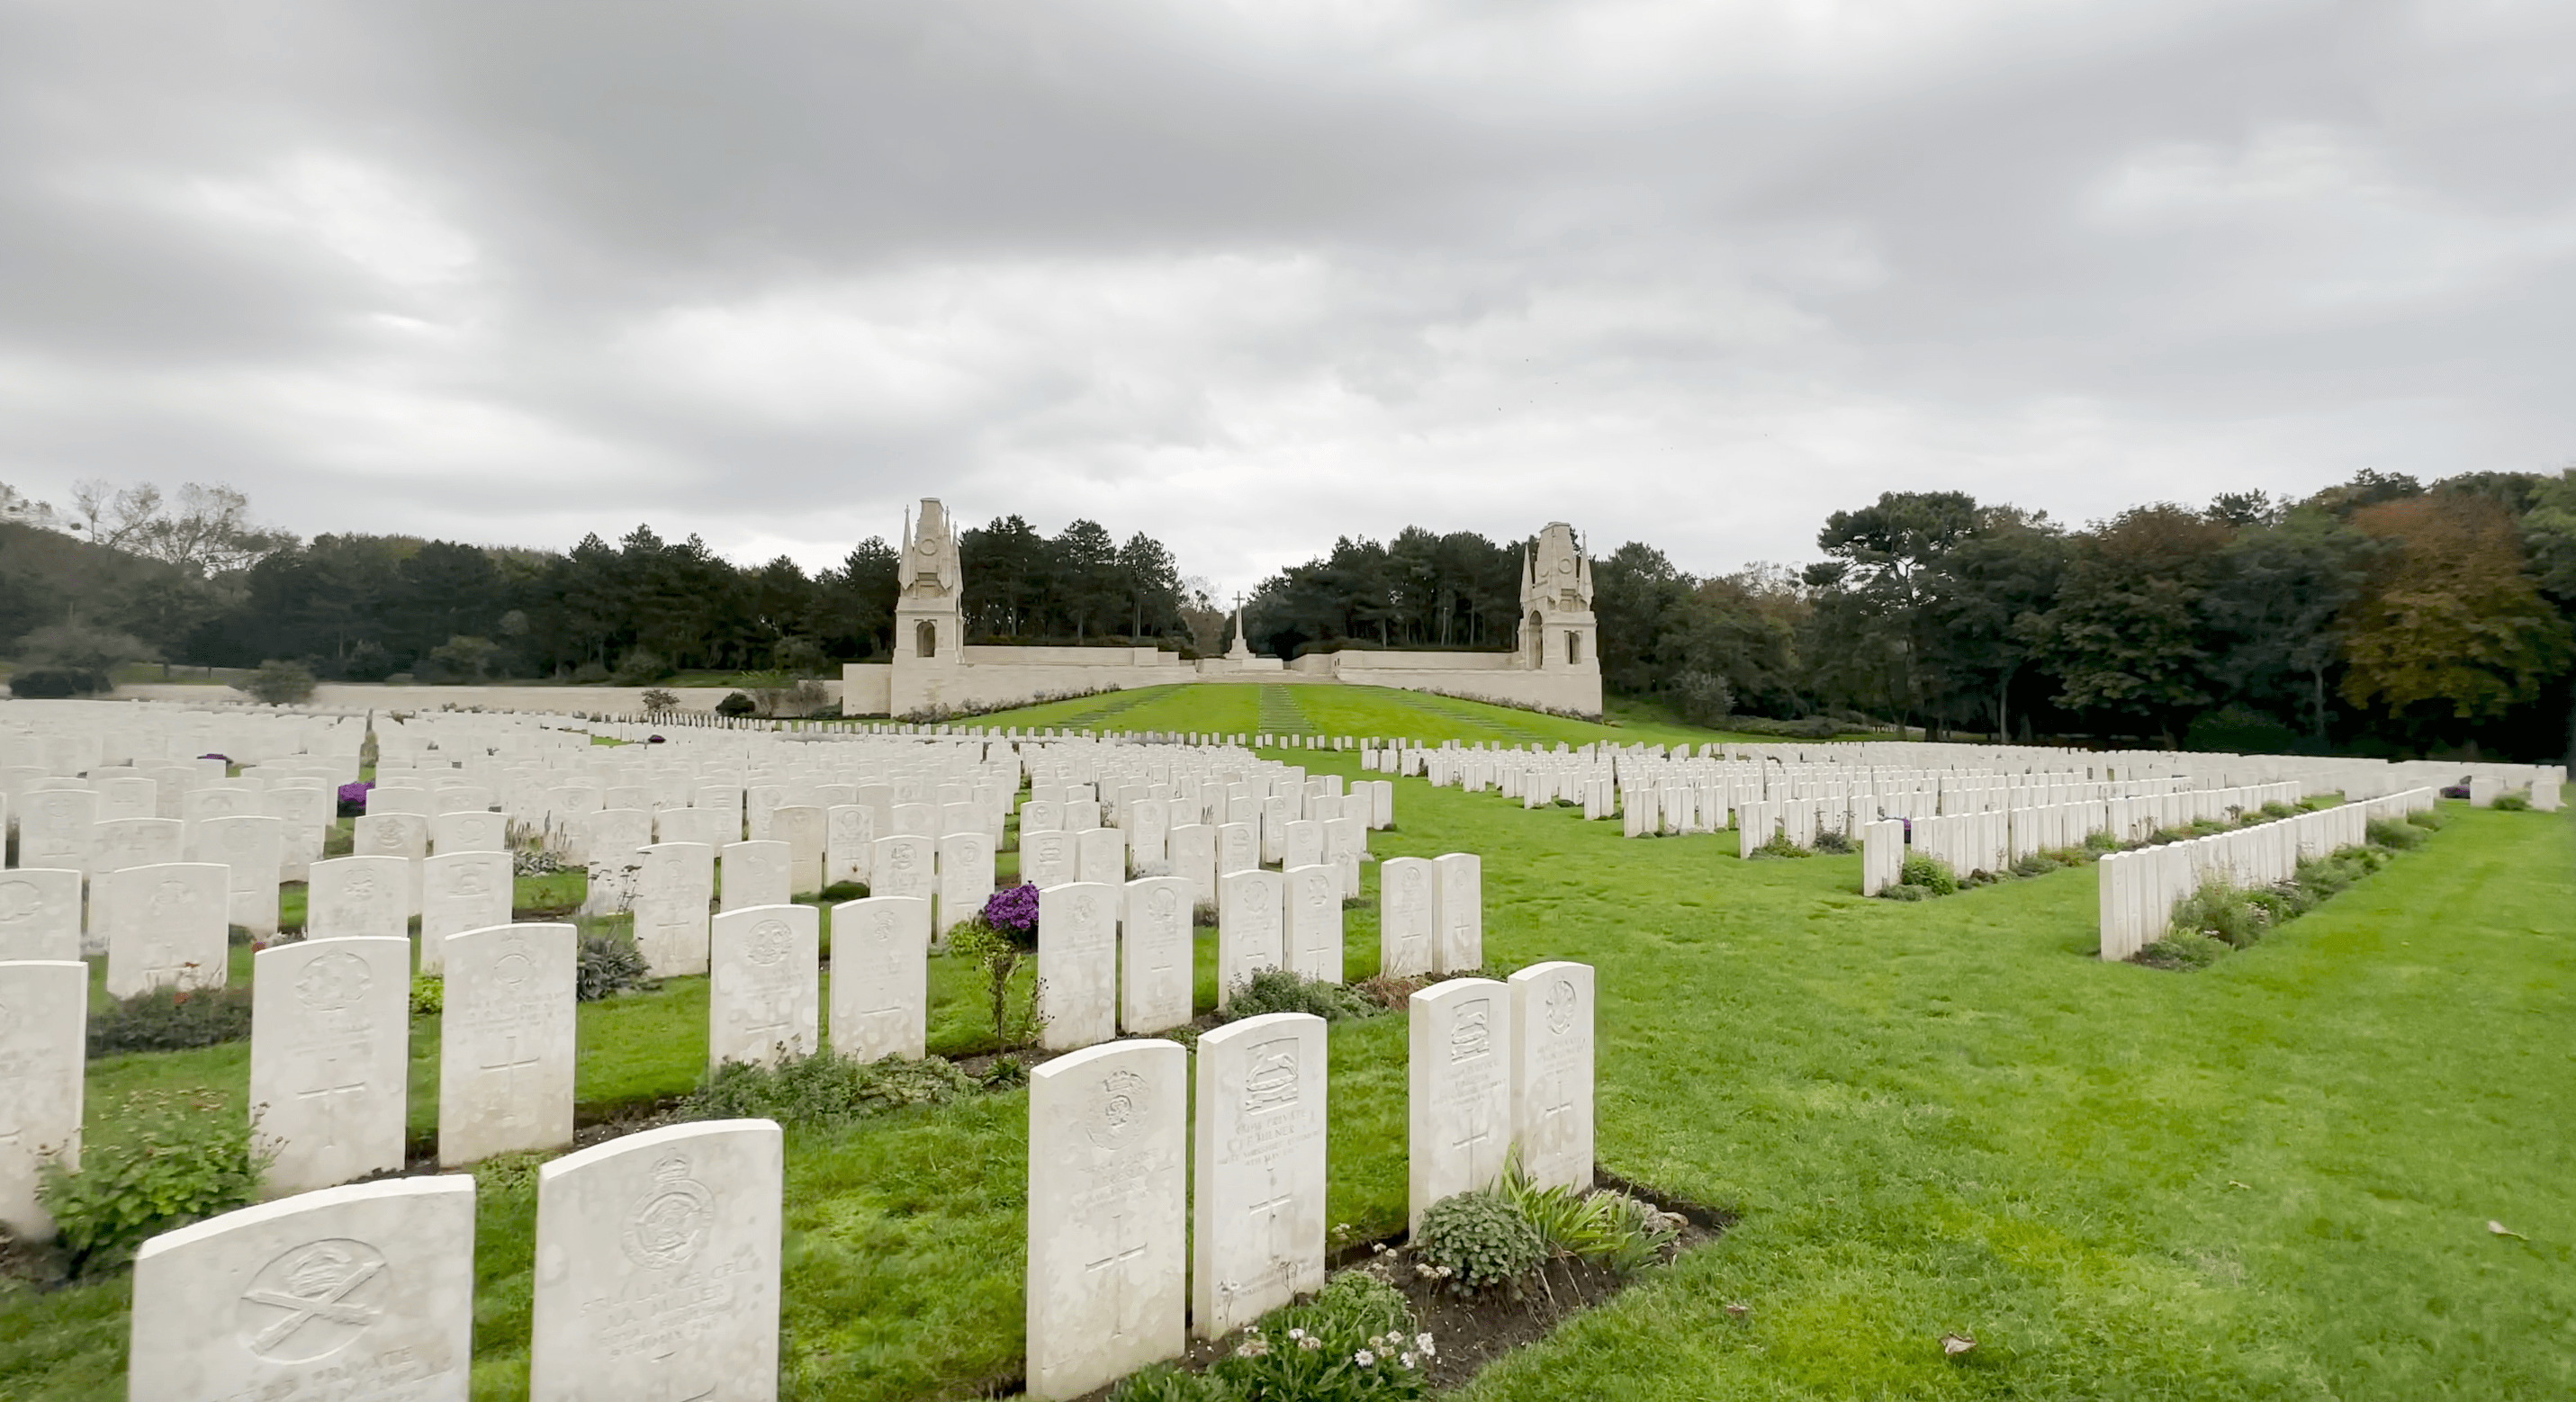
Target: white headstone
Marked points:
849	843
1238	848
118	843
1251	928
704	826
612	843
1406	933
1101	855
1049	858
44	1017
1257	1238
1149	827
1078	964
330	1057
1193	855
1107	1202
40	913
672	895
54	828
505	1057
965	877
1156	947
754	873
764	998
657	1267
1315	921
1459	908
358	896
467	889
404	835
1460	1090
801	827
165	926
364	1291
881	977
468	832
1552	1017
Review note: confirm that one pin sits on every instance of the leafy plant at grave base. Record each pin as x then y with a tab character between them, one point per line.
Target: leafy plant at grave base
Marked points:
2183	952
169	1019
1354	1340
1006	1073
1161	1382
1477	1241
428	995
2100	842
736	704
1203	915
2429	819
1928	873
657	700
1607	1228
2220	910
535	861
998	940
826	1089
1780	846
184	1158
845	891
2274	811
2393	834
1835	843
1901	892
1286	991
280	683
609	965
2512	803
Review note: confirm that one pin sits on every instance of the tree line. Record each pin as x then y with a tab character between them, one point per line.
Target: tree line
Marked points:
2379	616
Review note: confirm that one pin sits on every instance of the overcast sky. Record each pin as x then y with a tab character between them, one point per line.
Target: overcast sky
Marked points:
1249	276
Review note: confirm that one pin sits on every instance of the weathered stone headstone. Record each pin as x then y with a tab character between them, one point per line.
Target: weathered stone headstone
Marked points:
363	1291
1156	945
1406	932
907	864
1078	964
965	878
358	896
801	827
657	1267
1101	855
44	1025
1345	843
1460	1090
1258	1227
703	826
165	926
1315	921
469	831
1458	886
1251	928
1302	844
118	843
849	843
881	977
764	997
330	1057
1148	826
1107	1214
505	1057
40	913
404	835
1049	858
1192	847
672	894
460	891
54	828
612	843
1041	815
251	847
1552	1026
1238	848
753	873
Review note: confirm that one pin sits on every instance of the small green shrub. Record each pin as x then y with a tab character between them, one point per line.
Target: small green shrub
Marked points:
1353	1341
186	1156
2185	952
2429	819
56	682
826	1088
1780	846
1930	873
2394	834
1607	1228
1835	843
609	965
1905	893
2512	803
1161	1382
1285	991
845	891
736	704
1479	1240
428	995
280	683
2221	910
168	1019
2100	842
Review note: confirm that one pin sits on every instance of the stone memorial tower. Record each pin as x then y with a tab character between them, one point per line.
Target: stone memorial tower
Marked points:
1558	631
929	617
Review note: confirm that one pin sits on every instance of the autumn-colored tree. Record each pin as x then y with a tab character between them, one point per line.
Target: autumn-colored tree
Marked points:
2449	617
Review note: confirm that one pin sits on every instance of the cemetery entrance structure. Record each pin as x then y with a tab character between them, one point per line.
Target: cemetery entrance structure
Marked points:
1555	667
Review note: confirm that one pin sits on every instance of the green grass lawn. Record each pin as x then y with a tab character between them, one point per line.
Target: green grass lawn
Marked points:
2267	1180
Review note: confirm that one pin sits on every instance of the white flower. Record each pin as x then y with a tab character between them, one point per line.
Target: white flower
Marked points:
1423	1342
1406	1359
1310	1343
1296	1333
1364	1358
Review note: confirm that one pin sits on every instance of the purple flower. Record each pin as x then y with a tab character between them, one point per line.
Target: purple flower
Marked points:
225	758
357	792
1013	910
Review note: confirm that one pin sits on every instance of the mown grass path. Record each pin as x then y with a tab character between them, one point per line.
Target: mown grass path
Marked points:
2270	1179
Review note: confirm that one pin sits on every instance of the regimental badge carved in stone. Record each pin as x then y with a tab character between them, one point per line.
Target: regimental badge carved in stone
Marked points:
671	1221
768	943
332	981
1271	1082
1086	912
517	964
18	901
1472	1035
1563	1002
1120	1110
312	1301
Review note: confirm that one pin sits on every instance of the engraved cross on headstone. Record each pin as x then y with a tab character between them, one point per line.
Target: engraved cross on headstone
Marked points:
511	1059
1115	1264
1480	1128
333	1092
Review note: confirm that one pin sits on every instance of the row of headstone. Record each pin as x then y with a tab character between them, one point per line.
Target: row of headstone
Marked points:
1135	1242
657	1278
